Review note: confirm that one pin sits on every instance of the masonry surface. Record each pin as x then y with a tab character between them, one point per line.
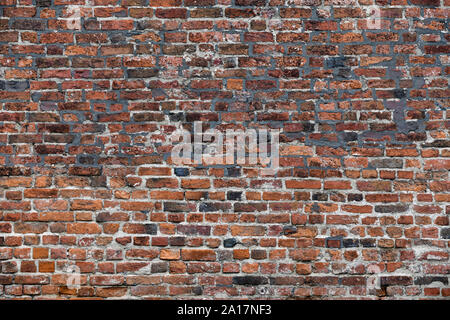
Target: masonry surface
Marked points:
90	92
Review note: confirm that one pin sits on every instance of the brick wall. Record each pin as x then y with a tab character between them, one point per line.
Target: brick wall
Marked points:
93	205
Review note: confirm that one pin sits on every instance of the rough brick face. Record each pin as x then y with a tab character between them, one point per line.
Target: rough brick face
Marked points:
90	94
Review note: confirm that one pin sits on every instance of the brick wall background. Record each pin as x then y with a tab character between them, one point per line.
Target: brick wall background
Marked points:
91	90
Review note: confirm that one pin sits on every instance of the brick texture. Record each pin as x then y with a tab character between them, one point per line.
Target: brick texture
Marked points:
90	91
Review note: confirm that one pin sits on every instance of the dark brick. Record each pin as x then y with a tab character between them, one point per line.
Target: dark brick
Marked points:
250	280
336	62
387	163
323	281
198	291
396	280
343	73
52	62
350	136
17	85
428	3
258	254
232	172
229	243
350	243
179	116
176	206
151	228
368	243
427	280
214	207
445	233
234	195
437	144
159	267
399	93
394	208
177	241
86	160
142	73
354	281
43	3
194	230
250	3
355	197
287	230
29	24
